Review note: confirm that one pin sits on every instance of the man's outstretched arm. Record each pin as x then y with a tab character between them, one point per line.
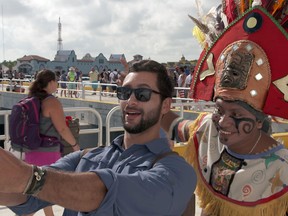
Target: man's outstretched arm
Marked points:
176	127
76	191
82	192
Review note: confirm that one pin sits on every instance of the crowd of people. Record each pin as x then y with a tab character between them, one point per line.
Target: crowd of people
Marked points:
97	81
12	74
181	76
70	81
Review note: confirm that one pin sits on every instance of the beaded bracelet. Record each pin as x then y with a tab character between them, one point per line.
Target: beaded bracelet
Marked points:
36	181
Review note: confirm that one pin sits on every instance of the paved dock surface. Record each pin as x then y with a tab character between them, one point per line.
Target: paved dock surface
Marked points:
58	210
4	211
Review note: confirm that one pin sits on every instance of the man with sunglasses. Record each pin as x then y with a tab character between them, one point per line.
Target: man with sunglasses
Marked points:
136	175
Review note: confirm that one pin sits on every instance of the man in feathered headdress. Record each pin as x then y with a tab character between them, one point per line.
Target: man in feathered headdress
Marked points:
241	169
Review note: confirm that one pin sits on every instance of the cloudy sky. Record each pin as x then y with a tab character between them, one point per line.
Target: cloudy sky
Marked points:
156	29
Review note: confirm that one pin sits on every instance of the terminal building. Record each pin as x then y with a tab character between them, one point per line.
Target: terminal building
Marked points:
67	58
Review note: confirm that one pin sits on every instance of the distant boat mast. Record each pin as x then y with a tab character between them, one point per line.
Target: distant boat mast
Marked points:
59	44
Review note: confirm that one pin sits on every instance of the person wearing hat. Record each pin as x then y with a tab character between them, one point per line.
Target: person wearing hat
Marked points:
241	169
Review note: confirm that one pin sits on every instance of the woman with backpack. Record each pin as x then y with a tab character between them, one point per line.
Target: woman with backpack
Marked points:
52	122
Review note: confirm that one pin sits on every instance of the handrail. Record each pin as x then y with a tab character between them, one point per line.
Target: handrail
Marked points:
110	129
87	130
98	130
82	92
80	89
7	113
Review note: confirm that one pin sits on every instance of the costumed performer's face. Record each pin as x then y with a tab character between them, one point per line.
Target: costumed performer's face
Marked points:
236	125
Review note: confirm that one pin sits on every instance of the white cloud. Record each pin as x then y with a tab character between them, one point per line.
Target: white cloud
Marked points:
157	29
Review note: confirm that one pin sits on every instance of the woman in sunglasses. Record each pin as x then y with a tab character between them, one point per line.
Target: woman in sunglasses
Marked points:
136	175
241	169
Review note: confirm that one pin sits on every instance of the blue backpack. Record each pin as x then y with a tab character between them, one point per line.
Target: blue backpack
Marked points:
24	126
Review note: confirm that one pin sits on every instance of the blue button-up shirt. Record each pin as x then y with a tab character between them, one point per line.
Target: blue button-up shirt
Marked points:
136	186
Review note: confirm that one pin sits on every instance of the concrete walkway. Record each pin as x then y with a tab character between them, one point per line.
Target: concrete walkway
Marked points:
58	210
4	211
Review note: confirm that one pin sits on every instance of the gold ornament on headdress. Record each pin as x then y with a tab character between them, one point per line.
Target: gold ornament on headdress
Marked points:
243	73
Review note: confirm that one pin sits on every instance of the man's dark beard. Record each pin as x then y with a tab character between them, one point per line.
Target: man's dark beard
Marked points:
153	118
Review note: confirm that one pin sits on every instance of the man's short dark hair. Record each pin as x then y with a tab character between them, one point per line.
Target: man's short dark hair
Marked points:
164	83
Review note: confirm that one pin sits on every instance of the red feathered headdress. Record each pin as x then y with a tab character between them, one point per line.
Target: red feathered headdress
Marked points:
246	60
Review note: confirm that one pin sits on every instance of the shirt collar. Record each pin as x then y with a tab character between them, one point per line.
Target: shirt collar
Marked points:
155	146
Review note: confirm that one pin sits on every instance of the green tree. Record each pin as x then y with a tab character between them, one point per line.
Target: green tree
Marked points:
9	64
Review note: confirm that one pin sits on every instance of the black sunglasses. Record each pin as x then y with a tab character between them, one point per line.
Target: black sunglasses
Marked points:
141	94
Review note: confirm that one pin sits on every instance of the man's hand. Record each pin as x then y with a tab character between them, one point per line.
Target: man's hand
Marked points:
15	173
